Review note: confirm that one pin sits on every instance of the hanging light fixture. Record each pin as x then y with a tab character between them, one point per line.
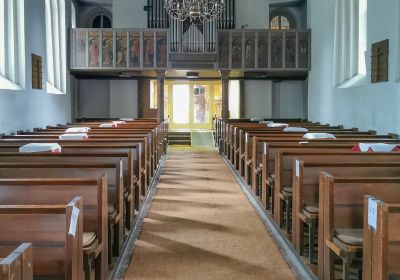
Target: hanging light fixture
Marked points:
195	10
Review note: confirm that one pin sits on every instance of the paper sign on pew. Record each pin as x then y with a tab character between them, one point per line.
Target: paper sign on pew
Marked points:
372	213
74	221
297	168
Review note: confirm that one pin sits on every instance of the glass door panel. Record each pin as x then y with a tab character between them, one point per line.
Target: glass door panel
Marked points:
181	105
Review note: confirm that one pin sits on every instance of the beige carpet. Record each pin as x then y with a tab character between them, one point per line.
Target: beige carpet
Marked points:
201	226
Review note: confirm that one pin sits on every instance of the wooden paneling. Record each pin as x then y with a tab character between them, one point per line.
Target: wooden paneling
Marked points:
380	62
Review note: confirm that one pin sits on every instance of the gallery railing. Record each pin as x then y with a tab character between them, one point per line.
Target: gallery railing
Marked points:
117	48
151	48
264	49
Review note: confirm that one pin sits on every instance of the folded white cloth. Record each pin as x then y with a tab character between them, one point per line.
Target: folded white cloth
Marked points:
266	122
79	129
127	119
255	120
73	136
106	125
277	125
319	136
119	122
40	147
295	129
375	147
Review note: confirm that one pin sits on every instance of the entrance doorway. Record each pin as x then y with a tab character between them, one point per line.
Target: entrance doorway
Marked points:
192	105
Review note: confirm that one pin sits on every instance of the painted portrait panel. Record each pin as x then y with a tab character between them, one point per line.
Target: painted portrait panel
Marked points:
263	50
80	49
223	50
121	46
148	49
134	49
276	50
249	50
237	50
108	52
162	49
94	50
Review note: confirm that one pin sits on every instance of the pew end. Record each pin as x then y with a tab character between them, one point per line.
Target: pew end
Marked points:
16	263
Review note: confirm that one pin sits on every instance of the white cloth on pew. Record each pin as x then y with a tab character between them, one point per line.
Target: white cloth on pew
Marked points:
277	125
375	147
40	147
319	135
256	120
127	119
295	129
119	122
266	122
73	136
110	124
79	129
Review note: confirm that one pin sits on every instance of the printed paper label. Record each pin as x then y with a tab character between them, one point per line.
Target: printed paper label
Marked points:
297	168
372	213
74	221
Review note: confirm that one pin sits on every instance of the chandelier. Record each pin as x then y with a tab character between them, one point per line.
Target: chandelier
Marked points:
195	10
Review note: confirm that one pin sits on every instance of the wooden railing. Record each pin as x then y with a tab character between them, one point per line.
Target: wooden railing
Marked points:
137	49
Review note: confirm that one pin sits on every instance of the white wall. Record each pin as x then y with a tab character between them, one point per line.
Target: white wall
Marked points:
129	14
123	99
290	97
94	98
28	108
254	13
369	106
108	98
258	99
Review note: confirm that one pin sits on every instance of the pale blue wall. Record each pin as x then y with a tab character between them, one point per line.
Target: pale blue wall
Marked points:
370	106
26	109
129	14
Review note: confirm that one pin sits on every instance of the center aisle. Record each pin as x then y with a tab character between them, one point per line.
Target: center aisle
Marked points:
201	226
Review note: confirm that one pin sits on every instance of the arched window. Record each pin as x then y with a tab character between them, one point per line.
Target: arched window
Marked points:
280	22
101	21
56	46
12	44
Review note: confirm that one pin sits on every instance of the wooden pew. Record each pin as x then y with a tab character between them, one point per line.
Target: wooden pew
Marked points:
146	150
43	191
381	246
239	141
128	167
284	164
95	147
276	166
81	170
341	217
16	263
256	148
56	253
305	209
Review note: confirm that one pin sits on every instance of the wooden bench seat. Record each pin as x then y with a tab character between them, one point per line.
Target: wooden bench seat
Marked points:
257	149
284	167
341	209
306	192
42	191
56	253
16	262
381	252
128	163
112	169
140	170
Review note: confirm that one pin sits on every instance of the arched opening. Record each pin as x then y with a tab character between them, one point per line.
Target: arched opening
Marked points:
282	19
101	21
